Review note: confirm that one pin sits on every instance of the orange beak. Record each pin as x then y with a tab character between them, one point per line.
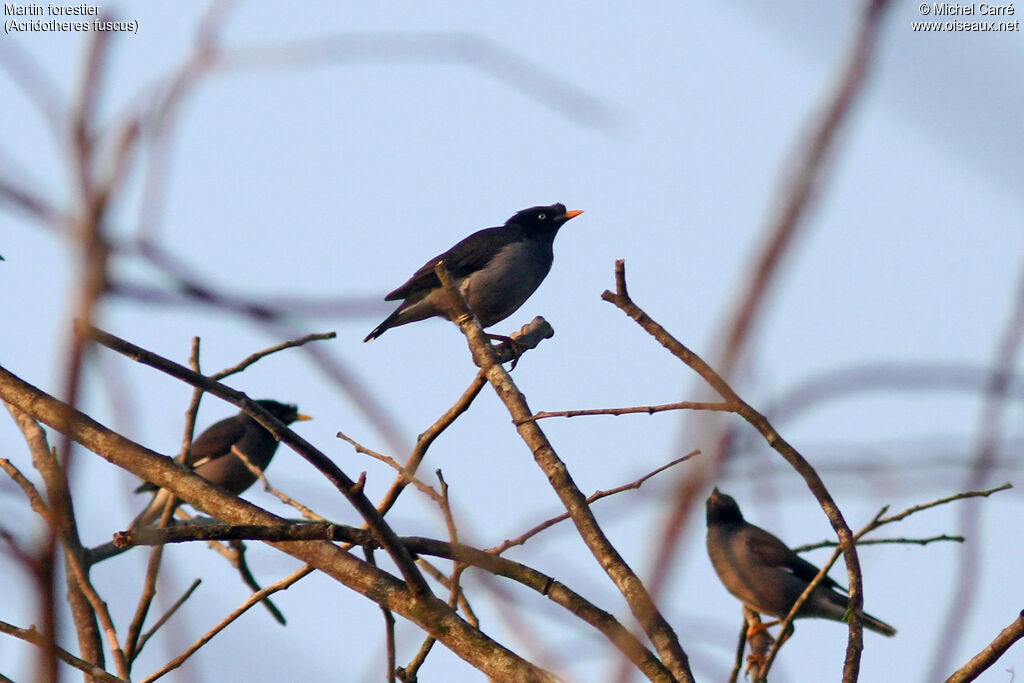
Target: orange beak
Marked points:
301	417
572	214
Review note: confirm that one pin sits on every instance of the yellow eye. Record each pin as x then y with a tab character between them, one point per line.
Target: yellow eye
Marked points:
542	216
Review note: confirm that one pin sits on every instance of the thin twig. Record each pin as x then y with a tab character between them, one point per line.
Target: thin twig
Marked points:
348	488
622	300
167	615
942	501
389	627
880	541
31	635
132	645
427	438
394	464
444	580
878	521
649	410
430	614
239	367
993	651
239	611
593	497
240	563
657	628
407	673
269	488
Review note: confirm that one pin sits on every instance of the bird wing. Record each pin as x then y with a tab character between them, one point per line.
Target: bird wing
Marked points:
215	442
466	257
775	553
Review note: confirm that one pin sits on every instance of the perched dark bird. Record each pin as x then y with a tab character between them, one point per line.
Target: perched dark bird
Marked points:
765	574
496	269
213	455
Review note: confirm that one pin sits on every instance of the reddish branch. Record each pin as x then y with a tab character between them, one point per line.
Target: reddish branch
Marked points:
783	229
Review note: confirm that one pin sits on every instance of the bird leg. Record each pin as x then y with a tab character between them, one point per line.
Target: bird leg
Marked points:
761	642
759	638
754	629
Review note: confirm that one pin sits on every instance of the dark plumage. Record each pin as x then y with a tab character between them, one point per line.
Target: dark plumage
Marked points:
496	269
765	574
212	455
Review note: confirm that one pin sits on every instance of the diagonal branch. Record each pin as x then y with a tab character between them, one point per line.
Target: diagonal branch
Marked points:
594	497
423	609
656	627
348	488
31	635
622	300
993	651
499	566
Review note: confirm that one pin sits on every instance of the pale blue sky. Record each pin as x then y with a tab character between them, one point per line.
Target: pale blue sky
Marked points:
338	177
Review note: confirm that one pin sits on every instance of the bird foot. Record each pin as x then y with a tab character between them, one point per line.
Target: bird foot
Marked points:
510	343
756	662
760	628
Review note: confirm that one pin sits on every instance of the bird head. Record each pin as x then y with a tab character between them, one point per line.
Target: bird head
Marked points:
285	412
722	509
543	217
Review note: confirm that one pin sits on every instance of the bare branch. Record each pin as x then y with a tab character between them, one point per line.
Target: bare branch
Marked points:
993	651
405	475
499	566
760	422
237	559
353	493
989	433
86	603
784	226
622	575
597	495
32	636
942	501
880	541
283	584
301	341
879	521
431	614
167	615
650	410
427	438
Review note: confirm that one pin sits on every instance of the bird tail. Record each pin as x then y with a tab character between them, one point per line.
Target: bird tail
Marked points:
155	508
877	625
384	326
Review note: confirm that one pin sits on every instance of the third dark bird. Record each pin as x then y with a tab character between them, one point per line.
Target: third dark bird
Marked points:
213	454
765	574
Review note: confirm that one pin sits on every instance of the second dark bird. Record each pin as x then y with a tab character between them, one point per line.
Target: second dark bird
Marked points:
496	269
213	455
765	574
